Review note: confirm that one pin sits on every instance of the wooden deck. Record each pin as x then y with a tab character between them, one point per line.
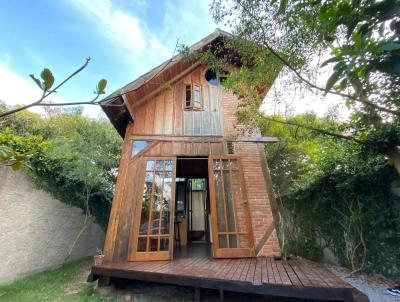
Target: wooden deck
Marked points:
295	278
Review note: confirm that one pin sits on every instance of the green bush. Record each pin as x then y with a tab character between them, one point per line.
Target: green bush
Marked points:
336	194
73	157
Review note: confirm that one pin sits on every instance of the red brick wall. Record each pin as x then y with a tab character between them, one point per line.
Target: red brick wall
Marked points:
259	204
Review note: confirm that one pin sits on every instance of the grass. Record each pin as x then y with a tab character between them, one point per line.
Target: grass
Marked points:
67	283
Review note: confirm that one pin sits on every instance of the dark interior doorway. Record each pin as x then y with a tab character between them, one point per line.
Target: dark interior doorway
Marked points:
192	208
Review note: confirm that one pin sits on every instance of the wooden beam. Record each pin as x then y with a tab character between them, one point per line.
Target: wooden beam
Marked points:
176	138
128	105
255	139
264	238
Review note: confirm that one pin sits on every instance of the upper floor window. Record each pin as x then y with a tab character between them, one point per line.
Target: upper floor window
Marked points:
193	98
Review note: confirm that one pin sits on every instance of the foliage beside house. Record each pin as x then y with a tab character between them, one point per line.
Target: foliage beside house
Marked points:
335	194
72	157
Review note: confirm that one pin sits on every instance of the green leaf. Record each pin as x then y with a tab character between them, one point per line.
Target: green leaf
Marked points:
282	6
101	86
333	79
48	79
36	81
351	28
389	46
331	60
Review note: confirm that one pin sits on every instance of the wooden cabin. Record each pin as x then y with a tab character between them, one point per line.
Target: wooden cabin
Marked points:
190	185
188	179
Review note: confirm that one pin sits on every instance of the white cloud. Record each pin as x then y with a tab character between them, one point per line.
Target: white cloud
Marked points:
18	90
132	38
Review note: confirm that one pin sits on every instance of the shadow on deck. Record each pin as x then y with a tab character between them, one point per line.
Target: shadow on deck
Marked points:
295	278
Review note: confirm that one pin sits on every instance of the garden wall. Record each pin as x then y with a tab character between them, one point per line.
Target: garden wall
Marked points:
36	230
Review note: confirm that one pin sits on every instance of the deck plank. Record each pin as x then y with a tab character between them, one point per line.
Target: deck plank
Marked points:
293	278
264	270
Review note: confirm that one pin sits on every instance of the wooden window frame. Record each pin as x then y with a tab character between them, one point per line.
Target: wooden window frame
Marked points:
191	105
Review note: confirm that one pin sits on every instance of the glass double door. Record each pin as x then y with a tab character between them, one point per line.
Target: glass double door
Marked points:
153	232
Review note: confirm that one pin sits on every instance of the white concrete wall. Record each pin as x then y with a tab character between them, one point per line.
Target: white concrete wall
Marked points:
36	230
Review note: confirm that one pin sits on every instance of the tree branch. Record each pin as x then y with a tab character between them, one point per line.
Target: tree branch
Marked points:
308	82
46	93
324	132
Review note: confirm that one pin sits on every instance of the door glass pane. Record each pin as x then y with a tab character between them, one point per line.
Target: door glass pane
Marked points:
168	165
238	199
225	164
153	244
166	203
142	242
233	241
146	201
159	165
157	202
223	243
164	243
230	215
219	201
150	165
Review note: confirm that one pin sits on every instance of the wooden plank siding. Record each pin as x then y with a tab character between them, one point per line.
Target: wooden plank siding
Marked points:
165	113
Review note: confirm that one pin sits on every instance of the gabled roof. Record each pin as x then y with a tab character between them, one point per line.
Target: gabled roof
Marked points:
113	104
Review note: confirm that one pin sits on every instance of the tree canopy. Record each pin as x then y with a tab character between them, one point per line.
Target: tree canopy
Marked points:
363	38
73	157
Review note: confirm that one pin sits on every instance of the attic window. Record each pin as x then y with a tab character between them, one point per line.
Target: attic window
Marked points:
138	146
211	77
193	96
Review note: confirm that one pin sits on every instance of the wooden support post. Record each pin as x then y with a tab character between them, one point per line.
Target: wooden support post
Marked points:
221	295
197	296
103	281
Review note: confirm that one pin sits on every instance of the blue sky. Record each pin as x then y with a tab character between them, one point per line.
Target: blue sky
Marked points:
124	39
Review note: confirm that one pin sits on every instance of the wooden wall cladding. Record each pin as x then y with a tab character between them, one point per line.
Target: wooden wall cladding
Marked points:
164	114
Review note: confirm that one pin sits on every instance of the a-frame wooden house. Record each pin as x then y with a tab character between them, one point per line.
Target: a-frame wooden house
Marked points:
191	188
186	167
